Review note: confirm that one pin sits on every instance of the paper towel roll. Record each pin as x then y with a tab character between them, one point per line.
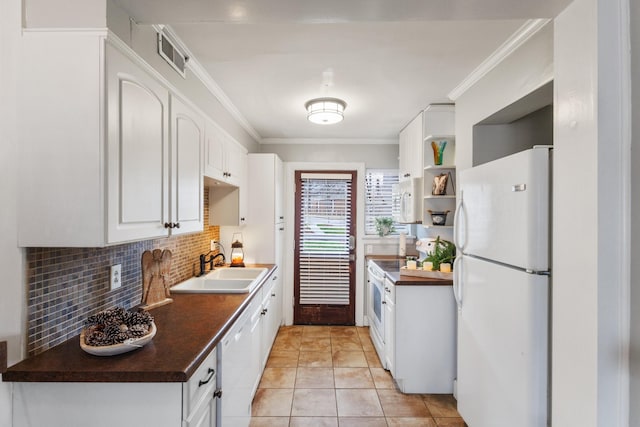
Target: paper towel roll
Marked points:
402	246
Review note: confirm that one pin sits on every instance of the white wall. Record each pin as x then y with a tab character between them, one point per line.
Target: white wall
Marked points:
634	357
525	70
12	288
381	156
50	14
590	256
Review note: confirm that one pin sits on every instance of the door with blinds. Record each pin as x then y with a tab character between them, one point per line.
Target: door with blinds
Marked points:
324	269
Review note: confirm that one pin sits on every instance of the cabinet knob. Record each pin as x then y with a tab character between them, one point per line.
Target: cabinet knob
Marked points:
167	225
384	302
176	225
171	225
242	219
217	393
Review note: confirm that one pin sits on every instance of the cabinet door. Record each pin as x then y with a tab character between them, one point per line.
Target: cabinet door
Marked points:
187	136
205	415
410	141
279	190
137	152
236	163
214	152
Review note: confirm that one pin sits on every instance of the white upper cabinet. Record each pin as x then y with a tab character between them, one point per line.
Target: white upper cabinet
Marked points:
226	160
106	157
225	172
410	148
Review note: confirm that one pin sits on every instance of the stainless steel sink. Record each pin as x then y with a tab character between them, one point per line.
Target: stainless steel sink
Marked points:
223	281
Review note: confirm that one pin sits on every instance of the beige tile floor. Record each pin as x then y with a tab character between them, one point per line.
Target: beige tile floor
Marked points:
331	376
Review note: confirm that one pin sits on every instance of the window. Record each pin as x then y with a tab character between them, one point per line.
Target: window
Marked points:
378	184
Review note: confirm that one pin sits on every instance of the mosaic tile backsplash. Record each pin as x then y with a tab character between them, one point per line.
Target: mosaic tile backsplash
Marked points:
65	285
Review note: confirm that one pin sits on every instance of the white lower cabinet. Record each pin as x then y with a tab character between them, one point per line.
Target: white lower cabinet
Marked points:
422	336
122	404
272	309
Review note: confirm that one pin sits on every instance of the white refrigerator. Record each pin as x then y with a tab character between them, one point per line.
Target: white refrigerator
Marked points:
501	285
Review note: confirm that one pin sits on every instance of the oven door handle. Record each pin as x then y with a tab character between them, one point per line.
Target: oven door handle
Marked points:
375	276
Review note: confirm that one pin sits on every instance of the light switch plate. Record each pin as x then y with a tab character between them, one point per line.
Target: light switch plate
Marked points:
116	276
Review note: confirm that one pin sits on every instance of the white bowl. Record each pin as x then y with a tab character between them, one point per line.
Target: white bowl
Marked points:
111	350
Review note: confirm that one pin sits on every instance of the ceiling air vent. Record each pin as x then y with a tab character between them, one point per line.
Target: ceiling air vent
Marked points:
171	54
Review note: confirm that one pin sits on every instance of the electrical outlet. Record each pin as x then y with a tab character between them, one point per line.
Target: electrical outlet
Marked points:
116	276
214	244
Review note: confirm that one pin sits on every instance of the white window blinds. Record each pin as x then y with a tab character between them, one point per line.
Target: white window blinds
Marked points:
378	201
324	238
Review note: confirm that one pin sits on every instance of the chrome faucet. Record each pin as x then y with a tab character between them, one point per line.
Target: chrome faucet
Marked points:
204	261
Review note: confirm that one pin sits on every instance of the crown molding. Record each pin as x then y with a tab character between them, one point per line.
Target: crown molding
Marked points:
201	74
517	39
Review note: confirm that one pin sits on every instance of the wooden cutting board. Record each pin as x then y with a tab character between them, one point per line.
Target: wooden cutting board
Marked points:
404	271
156	267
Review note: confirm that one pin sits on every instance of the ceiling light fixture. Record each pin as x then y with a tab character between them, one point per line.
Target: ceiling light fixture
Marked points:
325	111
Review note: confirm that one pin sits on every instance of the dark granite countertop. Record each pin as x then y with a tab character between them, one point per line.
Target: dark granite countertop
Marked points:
391	267
188	330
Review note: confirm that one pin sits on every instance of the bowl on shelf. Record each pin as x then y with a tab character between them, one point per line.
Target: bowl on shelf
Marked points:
438	217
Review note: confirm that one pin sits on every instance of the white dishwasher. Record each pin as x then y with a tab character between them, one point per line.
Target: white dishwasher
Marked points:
235	349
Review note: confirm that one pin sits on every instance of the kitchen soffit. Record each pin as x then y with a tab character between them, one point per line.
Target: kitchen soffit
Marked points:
389	58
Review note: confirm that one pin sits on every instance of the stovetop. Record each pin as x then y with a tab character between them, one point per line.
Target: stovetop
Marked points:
389	264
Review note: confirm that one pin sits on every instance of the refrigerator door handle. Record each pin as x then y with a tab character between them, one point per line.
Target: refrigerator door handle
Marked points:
457	224
457	281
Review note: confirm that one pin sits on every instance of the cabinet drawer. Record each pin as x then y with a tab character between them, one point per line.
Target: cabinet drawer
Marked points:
200	386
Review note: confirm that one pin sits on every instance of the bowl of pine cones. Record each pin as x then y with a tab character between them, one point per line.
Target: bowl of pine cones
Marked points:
116	331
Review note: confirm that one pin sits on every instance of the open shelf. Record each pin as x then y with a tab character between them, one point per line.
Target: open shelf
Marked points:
431	196
439	167
430	138
441	227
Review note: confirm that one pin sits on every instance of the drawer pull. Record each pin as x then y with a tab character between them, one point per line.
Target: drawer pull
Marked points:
211	374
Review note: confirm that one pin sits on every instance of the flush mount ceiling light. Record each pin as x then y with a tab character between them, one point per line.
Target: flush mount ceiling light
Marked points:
325	111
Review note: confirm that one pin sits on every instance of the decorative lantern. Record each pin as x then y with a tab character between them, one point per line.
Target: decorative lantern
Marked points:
237	254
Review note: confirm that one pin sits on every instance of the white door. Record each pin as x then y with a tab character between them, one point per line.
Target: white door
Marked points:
187	137
502	345
137	152
503	213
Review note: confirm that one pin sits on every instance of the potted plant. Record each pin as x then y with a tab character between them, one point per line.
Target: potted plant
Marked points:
384	225
443	251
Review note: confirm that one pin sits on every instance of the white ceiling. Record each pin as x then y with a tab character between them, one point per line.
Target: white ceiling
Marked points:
390	58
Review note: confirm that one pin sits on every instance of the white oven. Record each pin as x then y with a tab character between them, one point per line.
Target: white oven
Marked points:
375	277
